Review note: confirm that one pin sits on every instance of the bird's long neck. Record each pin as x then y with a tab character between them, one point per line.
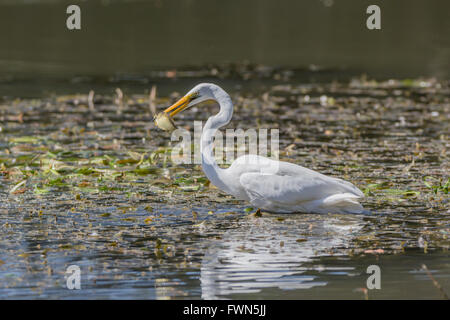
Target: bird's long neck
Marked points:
214	173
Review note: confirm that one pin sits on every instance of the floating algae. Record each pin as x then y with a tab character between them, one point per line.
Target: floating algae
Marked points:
98	190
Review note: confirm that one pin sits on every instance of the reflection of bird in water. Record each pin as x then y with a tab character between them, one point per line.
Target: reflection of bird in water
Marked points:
267	184
261	253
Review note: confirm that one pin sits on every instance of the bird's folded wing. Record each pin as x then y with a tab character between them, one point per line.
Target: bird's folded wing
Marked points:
293	189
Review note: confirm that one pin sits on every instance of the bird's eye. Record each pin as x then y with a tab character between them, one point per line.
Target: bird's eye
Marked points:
194	96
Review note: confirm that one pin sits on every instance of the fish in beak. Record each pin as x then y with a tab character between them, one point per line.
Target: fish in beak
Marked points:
164	121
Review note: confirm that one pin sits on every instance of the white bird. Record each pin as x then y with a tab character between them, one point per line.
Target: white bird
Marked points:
270	185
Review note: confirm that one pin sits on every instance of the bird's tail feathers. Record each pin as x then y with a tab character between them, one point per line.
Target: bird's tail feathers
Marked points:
343	202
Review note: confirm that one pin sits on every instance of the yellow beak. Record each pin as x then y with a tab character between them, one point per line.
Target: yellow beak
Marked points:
179	106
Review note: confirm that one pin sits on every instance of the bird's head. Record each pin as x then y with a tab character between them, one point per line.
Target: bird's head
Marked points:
200	93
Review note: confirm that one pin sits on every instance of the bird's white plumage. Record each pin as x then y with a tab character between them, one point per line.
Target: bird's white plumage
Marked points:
269	184
294	188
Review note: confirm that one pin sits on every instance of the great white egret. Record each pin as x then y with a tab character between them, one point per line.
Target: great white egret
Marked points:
271	185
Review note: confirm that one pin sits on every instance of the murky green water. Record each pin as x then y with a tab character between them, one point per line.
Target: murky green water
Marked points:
94	186
137	36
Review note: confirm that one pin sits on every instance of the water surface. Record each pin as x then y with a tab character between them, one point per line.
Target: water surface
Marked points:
94	186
